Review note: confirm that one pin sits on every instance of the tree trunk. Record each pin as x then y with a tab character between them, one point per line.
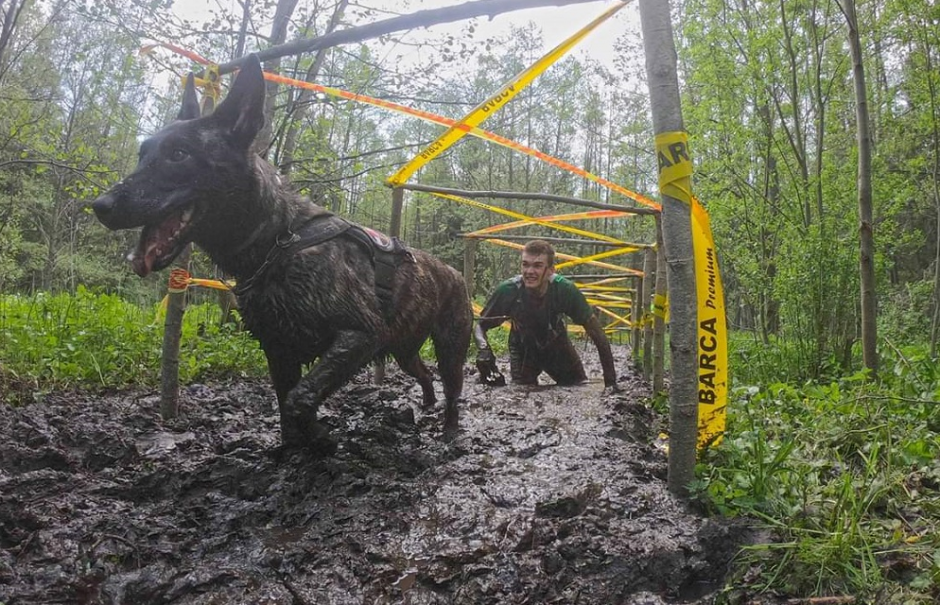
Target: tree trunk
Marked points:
282	15
303	98
866	236
663	83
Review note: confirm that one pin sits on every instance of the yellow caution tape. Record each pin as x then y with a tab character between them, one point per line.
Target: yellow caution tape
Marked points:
490	106
574	216
537	221
675	165
712	332
562	255
598	256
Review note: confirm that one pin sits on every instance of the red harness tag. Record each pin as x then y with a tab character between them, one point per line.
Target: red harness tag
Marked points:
380	240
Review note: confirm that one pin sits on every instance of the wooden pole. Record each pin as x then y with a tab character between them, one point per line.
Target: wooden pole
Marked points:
173	323
394	230
172	334
649	271
636	311
518	195
659	314
398	202
469	264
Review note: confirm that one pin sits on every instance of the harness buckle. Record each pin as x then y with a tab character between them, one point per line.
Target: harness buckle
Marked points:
282	242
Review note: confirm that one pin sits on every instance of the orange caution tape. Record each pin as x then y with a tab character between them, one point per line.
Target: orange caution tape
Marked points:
434	118
179	280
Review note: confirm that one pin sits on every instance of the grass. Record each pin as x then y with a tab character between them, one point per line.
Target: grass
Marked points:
845	476
99	340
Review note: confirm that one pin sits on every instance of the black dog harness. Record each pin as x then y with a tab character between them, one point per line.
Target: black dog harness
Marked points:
386	253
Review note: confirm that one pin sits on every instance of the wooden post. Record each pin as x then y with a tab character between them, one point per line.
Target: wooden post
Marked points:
394	230
398	199
172	333
176	306
470	263
636	314
649	272
659	314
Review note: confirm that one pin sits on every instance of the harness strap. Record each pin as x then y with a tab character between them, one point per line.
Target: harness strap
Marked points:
386	254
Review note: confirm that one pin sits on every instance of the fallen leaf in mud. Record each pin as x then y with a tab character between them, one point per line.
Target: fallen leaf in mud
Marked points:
549	495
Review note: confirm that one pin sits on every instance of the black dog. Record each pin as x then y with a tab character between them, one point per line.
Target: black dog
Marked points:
310	285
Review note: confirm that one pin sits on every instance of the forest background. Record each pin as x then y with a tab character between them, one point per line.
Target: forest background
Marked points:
844	469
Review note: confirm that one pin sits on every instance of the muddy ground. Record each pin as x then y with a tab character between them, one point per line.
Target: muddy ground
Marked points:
549	495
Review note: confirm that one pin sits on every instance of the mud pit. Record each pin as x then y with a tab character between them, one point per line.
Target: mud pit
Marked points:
549	495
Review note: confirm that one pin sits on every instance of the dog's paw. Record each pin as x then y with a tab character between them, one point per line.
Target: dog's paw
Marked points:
309	435
450	430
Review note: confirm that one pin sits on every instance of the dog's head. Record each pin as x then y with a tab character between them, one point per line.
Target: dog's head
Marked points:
195	169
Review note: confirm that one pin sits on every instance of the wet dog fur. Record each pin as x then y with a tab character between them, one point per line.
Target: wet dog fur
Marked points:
198	180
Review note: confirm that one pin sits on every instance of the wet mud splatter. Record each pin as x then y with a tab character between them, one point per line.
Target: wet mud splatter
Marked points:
549	495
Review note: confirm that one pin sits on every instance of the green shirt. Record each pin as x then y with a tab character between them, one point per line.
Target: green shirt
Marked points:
533	317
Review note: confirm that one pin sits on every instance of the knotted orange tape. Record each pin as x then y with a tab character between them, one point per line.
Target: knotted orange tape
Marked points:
179	280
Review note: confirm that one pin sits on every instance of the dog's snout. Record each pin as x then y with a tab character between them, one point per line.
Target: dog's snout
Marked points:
103	205
104	208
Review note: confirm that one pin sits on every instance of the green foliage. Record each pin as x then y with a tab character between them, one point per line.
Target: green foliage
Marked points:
99	340
846	477
903	315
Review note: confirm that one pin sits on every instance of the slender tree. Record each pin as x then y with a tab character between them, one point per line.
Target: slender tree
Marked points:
865	230
677	234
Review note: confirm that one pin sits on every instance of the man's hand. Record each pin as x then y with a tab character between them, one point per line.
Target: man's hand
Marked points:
610	385
489	373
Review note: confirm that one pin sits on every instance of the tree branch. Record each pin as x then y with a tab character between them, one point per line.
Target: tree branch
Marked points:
424	18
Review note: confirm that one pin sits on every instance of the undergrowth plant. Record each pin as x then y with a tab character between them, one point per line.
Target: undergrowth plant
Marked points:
845	476
100	340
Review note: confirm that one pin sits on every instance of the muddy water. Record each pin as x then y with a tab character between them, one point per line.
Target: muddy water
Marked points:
550	495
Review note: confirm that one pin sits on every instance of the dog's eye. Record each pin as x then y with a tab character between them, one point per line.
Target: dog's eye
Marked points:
178	155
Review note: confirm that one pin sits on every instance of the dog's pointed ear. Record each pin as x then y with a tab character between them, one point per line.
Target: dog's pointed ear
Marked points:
242	111
190	108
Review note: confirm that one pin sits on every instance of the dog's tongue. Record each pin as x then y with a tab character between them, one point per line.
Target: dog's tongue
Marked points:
155	241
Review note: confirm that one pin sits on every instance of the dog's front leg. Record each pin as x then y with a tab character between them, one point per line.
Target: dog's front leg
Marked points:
285	374
346	355
298	427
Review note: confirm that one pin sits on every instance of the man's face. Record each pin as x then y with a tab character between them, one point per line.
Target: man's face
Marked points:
536	272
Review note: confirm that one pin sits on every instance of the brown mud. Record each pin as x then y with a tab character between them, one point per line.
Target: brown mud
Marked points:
549	495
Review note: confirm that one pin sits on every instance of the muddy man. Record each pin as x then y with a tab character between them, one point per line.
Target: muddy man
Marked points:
536	302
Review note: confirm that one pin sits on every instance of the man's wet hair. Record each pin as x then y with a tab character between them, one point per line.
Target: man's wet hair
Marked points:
538	247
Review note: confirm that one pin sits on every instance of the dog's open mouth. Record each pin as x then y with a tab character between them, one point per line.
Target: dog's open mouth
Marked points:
160	244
